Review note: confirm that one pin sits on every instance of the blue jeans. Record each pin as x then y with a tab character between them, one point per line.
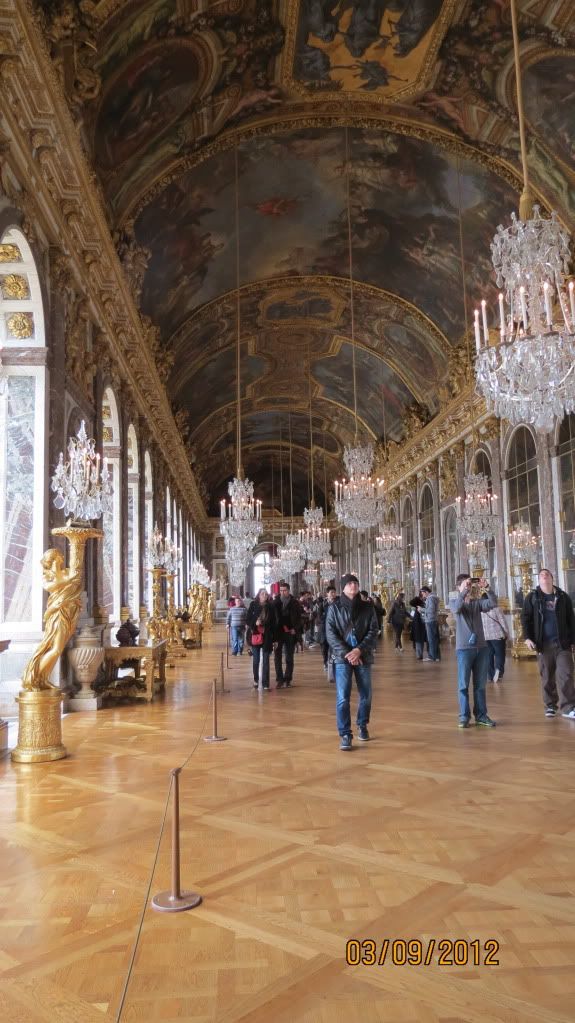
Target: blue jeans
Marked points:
496	657
432	630
473	660
343	677
258	653
237	638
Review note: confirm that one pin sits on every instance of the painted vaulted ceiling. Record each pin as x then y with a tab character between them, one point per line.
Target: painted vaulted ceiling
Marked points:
167	93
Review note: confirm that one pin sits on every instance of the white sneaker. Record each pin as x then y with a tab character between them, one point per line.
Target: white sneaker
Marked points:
569	714
496	675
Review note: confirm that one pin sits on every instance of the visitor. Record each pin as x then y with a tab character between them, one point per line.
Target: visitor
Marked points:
351	628
261	622
418	630
288	625
236	622
379	611
397	617
471	648
431	619
330	595
549	628
496	633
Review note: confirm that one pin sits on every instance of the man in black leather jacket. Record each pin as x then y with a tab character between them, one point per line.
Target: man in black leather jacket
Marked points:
351	631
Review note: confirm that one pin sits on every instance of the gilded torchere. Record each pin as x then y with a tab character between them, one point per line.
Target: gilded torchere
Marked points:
39	701
155	622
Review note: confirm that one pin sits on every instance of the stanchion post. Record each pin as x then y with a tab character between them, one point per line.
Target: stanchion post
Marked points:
227	646
176	900
215	737
222	680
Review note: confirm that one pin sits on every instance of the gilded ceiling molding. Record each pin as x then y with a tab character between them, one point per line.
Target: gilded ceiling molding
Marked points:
68	201
226	301
345	113
449	426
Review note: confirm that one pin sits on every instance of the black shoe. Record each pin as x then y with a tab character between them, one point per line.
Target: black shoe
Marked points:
279	685
256	685
287	684
266	685
363	733
345	742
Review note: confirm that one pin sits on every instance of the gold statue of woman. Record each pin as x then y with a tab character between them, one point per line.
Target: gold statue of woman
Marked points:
65	588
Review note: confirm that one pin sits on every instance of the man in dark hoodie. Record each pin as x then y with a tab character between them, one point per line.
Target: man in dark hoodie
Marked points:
549	628
351	631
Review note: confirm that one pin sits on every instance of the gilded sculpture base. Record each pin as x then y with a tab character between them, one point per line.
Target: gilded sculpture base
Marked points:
519	651
39	727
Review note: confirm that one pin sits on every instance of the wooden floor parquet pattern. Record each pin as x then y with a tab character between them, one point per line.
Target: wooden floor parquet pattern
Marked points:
427	832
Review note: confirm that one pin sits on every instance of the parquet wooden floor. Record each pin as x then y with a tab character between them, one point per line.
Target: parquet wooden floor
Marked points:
424	833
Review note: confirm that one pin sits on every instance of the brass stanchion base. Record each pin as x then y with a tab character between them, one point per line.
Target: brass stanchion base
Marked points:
165	902
215	738
39	727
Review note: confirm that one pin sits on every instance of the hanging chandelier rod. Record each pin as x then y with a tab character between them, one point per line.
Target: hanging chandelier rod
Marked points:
312	502
290	472
351	292
526	200
238	321
467	332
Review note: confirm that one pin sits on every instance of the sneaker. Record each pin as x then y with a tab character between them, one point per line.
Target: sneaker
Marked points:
363	733
486	722
569	714
266	686
550	712
463	722
431	659
287	684
496	675
345	742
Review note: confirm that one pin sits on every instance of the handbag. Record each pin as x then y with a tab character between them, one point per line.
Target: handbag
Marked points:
257	637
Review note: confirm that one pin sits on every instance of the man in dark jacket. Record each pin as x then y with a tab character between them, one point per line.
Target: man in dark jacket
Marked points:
288	618
549	628
351	630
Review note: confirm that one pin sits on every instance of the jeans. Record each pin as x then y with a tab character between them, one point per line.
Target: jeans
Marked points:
474	660
288	642
259	653
496	657
432	630
418	650
343	677
237	638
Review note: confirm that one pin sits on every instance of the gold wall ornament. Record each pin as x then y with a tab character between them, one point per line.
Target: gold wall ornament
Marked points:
14	286
39	702
20	325
448	477
10	253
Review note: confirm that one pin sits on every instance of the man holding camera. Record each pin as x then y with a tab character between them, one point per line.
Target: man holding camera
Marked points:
471	648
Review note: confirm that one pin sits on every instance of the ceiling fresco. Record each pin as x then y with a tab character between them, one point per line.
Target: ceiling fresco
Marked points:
404	203
382	48
164	93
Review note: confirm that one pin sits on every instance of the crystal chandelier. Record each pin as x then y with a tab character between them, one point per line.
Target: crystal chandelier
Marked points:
478	521
327	569
310	575
83	491
523	545
291	555
387	542
240	523
156	549
314	539
274	572
172	557
379	573
358	500
390	562
527	374
199	574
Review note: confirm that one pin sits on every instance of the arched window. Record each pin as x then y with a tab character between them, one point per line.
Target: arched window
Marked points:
451	549
482	465
22	441
261	564
148	524
566	452
133	523
523	491
427	538
408	545
111	523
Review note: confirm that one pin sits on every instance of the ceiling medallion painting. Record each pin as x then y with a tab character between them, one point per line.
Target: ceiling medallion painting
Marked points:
379	49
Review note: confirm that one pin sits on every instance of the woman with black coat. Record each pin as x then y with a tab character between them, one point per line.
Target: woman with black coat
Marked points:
261	622
418	630
397	617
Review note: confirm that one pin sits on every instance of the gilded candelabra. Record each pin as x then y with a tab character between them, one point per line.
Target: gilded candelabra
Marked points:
155	622
523	547
39	701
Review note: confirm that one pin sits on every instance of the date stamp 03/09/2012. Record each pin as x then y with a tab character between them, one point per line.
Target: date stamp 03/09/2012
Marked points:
415	952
